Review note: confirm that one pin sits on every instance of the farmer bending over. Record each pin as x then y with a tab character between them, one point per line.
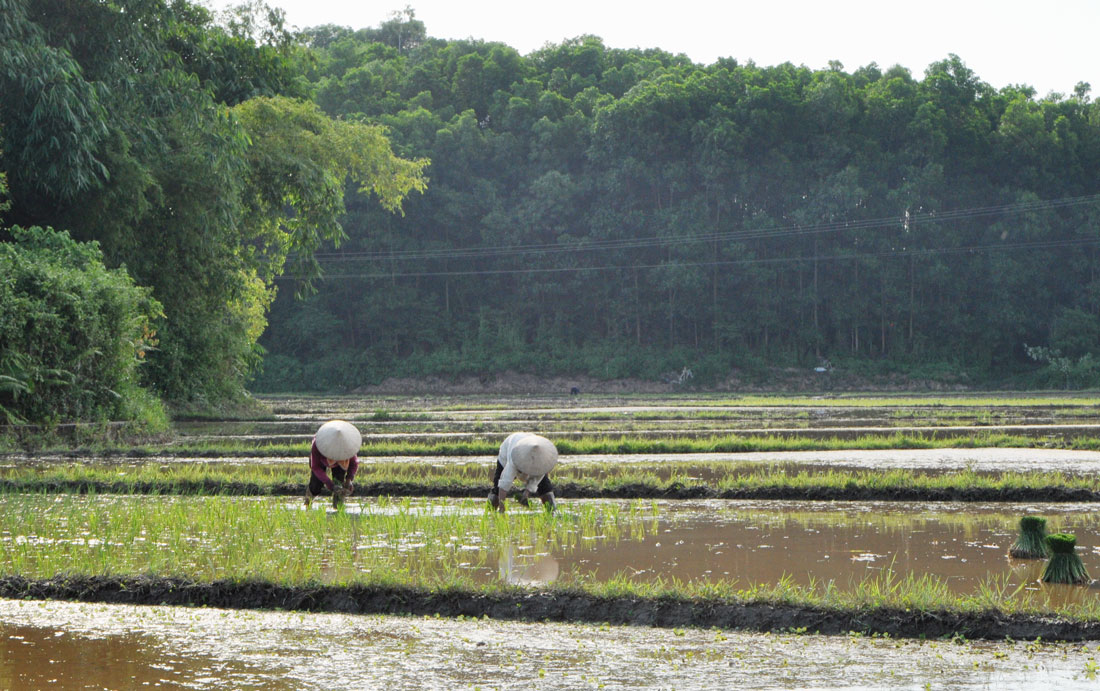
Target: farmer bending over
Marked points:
529	458
335	447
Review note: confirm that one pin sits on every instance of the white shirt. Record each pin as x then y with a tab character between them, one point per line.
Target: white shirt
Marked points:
510	473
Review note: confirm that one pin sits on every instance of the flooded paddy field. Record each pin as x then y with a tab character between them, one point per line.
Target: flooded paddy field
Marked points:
819	547
578	432
831	549
705	467
74	645
921	475
426	419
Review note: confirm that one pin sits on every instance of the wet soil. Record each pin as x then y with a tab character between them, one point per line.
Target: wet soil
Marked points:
43	644
738	542
479	415
648	654
550	606
33	657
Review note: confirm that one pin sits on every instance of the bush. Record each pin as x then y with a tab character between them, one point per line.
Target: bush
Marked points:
1066	372
72	334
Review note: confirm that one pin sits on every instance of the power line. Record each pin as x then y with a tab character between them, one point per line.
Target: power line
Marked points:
971	249
728	236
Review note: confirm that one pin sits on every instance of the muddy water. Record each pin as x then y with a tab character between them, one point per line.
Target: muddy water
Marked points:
935	431
740	542
305	427
819	542
808	543
703	466
35	657
71	645
932	460
412	418
984	459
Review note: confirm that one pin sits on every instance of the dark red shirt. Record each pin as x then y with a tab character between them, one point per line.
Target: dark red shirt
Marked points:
320	465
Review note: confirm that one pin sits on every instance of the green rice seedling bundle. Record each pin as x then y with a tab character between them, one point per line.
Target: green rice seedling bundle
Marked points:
1032	543
1064	565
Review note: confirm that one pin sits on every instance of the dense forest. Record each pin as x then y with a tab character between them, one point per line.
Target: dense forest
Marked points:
627	213
325	208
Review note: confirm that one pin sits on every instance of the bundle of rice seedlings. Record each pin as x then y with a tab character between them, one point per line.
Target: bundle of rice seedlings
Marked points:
1031	544
1064	566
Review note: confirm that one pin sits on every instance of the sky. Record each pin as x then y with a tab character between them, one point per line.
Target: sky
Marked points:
1050	46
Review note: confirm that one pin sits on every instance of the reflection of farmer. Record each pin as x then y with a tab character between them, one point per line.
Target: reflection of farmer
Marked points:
529	458
527	569
335	447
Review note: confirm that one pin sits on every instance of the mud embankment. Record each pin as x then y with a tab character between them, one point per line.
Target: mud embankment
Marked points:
551	606
566	491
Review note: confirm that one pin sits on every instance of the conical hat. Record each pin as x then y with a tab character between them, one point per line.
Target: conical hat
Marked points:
338	440
534	455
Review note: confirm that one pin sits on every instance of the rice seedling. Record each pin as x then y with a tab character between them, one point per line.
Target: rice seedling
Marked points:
1032	543
883	591
693	400
583	442
425	543
719	478
795	516
1064	565
441	547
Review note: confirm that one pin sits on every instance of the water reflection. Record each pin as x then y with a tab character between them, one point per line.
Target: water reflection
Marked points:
745	543
525	568
964	545
65	657
124	647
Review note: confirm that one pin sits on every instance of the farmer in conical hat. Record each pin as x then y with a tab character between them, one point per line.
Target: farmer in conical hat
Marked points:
336	448
529	458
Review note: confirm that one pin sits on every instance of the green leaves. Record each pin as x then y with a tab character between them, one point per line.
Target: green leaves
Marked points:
54	119
299	162
72	333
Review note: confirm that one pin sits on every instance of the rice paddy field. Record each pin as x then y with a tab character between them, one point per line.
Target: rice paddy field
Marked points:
700	542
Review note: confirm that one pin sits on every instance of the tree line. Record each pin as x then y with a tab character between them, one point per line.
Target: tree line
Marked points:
321	209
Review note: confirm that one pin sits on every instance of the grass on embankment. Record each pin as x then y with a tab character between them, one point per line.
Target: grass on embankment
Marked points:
427	552
536	402
616	444
724	479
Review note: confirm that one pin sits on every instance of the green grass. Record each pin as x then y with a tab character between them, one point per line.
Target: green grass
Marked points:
863	400
432	544
615	443
725	477
437	547
578	421
534	402
886	590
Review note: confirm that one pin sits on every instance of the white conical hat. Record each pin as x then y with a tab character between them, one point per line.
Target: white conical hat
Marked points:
338	440
534	455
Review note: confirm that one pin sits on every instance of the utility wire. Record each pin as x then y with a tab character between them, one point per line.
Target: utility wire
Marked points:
971	249
589	245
